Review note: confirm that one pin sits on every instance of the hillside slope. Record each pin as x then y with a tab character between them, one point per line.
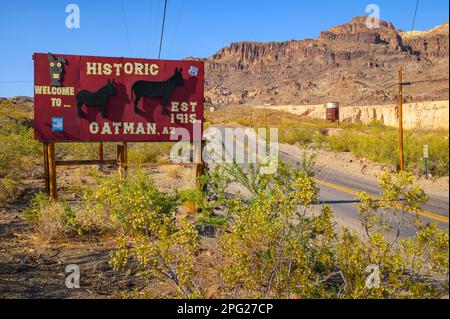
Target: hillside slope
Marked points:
346	63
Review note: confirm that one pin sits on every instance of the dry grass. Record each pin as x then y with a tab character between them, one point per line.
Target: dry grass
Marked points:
256	117
173	171
49	226
373	141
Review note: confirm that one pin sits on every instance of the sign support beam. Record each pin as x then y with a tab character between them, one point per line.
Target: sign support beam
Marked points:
46	171
100	151
52	171
400	119
122	159
198	161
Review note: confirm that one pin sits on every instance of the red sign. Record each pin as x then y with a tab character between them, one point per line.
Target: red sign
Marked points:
87	98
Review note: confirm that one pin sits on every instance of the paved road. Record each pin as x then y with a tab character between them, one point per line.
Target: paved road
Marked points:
340	191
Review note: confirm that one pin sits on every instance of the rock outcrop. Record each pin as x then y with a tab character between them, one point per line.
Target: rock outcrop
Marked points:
17	100
429	44
346	63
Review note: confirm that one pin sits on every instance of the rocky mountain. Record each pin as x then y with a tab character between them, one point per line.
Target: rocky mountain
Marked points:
17	100
346	63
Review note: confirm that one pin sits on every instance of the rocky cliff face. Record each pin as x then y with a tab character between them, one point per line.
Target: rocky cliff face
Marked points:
432	44
346	63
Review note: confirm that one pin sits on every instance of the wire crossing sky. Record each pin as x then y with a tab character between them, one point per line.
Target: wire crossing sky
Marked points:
196	28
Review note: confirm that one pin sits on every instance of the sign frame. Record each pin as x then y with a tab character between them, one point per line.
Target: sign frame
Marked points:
80	80
55	82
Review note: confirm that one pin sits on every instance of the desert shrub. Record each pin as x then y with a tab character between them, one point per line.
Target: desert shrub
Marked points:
137	152
9	188
319	138
119	202
167	254
191	195
380	144
75	150
272	247
296	135
307	162
19	152
215	182
438	146
148	152
192	200
277	245
51	220
150	234
413	267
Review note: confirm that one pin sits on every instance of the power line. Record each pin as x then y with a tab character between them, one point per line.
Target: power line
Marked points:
367	97
126	26
412	25
395	84
155	28
415	15
428	81
162	29
11	82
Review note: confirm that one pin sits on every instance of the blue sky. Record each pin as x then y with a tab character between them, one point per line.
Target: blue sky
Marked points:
193	27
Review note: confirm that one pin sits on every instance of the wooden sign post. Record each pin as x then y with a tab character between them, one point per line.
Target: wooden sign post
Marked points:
122	158
50	169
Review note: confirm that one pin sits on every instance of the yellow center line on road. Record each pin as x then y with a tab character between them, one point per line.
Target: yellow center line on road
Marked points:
441	218
338	187
354	192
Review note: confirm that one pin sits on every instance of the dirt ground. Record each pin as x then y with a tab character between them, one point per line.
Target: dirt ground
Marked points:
32	268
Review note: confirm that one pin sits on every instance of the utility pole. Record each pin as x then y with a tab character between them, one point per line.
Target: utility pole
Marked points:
400	118
265	108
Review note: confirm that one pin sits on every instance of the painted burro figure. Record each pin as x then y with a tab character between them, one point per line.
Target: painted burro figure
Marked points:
98	98
56	69
162	89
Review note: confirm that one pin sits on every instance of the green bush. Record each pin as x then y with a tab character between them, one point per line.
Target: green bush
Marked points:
411	267
271	248
276	246
118	202
296	135
380	144
84	151
148	152
191	195
51	220
19	152
150	234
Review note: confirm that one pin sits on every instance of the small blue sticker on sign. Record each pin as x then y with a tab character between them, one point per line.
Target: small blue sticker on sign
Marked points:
193	71
57	124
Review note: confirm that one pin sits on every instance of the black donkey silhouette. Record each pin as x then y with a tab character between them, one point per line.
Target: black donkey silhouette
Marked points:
163	89
98	98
